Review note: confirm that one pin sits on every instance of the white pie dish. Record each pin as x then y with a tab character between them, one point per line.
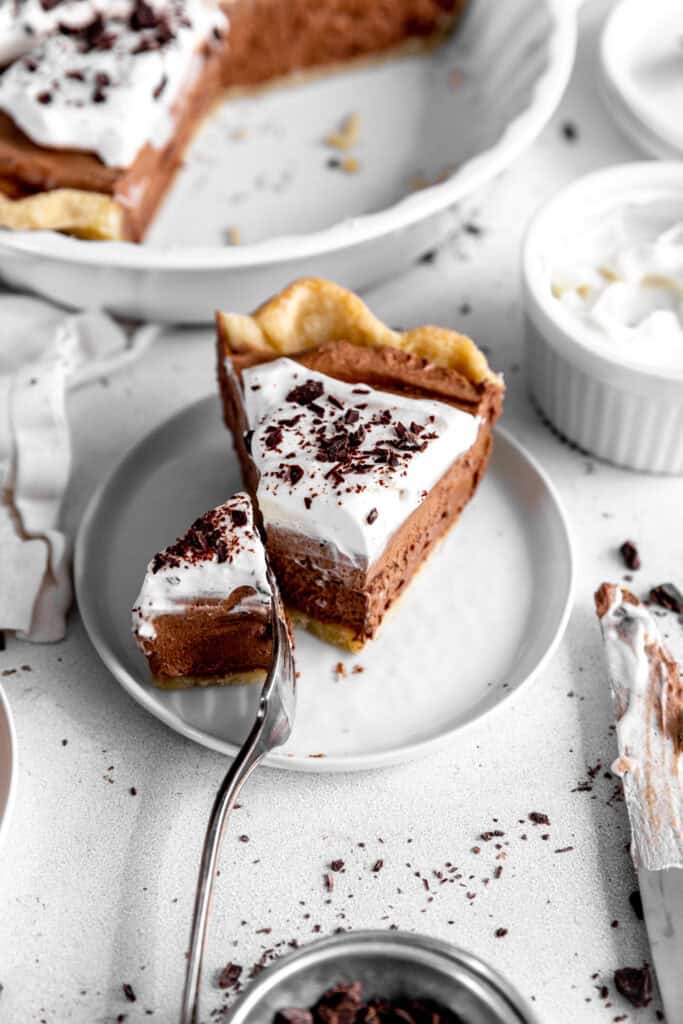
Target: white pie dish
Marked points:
626	412
640	74
459	114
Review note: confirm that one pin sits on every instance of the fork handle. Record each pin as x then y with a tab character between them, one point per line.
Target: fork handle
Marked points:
241	768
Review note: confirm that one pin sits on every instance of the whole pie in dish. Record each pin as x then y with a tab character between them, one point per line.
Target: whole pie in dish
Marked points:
203	615
359	444
99	99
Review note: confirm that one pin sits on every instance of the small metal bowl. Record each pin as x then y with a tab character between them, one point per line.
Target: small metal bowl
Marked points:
388	964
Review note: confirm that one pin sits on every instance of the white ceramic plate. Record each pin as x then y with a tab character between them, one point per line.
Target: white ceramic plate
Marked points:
453	118
482	617
8	764
640	63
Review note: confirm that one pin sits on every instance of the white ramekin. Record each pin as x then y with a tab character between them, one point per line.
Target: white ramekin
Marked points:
629	414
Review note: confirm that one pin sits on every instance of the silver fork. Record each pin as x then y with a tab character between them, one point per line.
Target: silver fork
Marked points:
271	729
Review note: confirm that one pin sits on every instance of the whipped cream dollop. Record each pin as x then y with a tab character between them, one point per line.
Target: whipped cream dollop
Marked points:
220	554
630	293
103	77
644	658
345	463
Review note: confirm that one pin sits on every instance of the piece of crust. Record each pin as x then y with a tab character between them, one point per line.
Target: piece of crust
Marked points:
313	311
92	215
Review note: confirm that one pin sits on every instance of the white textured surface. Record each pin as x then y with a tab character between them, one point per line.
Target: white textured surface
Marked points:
96	885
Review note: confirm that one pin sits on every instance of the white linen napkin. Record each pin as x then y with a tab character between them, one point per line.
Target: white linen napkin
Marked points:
44	352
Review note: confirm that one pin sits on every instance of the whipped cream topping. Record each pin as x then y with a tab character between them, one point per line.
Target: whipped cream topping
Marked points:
220	554
644	658
101	76
345	463
630	290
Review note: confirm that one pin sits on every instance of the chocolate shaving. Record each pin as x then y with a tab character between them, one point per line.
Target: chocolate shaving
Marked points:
629	552
667	595
306	393
634	984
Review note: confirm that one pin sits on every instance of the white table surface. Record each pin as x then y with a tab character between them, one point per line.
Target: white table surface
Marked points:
97	884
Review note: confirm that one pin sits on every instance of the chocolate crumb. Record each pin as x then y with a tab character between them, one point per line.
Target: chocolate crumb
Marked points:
372	516
667	595
634	984
500	933
230	976
629	552
537	818
377	866
337	865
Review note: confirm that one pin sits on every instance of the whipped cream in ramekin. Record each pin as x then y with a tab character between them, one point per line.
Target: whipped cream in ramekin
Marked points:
602	272
627	285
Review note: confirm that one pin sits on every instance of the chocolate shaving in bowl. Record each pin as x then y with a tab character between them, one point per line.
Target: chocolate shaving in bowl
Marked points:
344	1004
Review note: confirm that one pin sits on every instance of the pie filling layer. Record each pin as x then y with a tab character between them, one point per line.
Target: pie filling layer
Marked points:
203	614
103	96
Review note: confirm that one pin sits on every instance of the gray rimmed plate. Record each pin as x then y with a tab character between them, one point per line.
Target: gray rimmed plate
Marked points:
481	619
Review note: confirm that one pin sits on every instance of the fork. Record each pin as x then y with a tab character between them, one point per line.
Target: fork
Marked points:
271	729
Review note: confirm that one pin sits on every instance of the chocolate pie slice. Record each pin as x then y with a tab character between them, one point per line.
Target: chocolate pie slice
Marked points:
203	614
360	445
99	99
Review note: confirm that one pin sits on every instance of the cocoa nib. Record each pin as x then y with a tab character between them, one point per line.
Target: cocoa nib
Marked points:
634	984
667	595
306	393
372	516
539	819
238	516
629	552
128	992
